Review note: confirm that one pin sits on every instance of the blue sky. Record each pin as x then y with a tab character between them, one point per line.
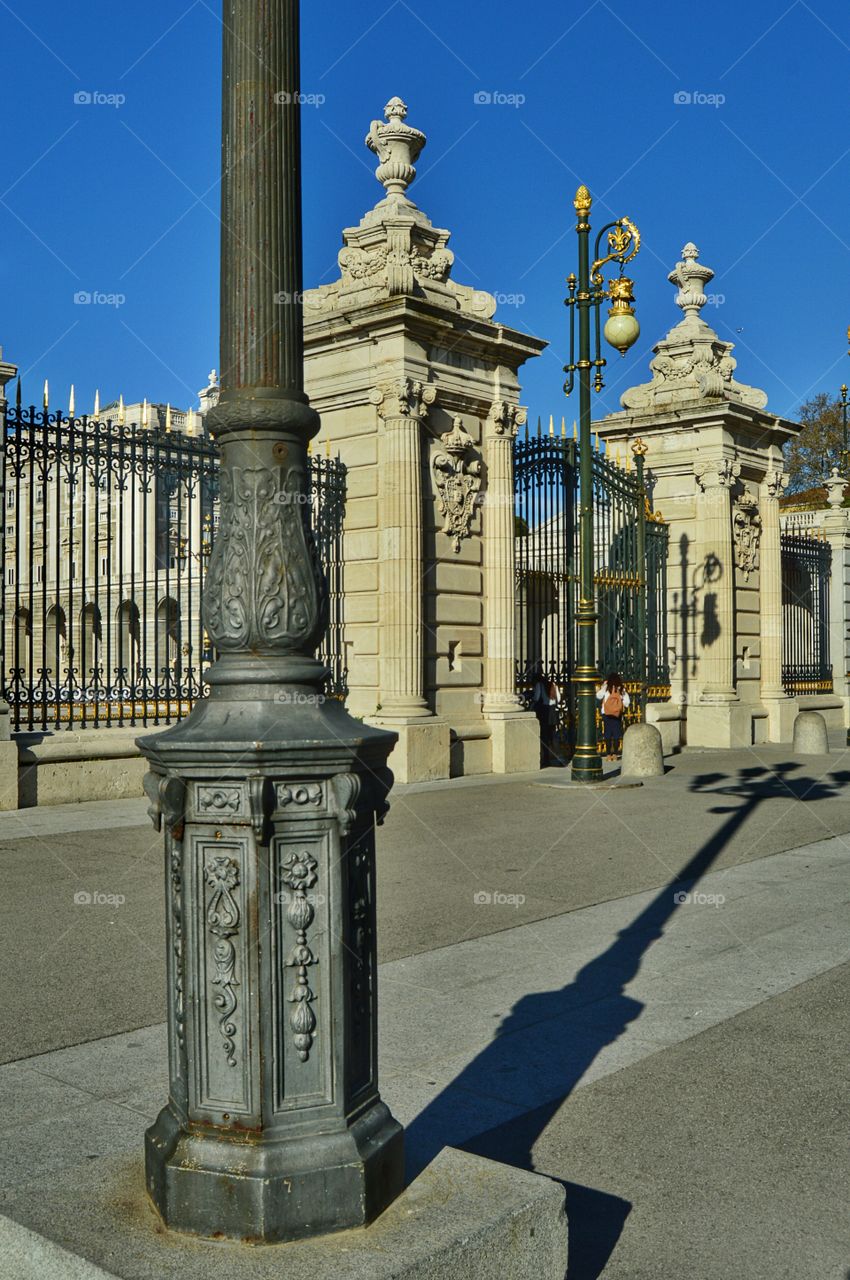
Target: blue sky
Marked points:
122	200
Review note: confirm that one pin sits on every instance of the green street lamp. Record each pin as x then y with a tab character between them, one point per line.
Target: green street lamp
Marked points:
621	331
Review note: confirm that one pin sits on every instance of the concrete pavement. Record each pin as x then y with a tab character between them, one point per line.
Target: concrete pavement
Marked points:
679	1062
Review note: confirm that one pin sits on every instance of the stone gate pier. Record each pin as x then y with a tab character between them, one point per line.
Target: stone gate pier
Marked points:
716	472
416	384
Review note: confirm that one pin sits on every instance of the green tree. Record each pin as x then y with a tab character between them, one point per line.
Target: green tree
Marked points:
817	449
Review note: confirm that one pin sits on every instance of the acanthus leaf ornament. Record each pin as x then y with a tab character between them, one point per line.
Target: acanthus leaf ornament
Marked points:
264	589
506	419
403	398
457	478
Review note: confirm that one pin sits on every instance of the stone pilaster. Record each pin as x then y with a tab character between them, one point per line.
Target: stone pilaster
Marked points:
717	718
499	696
515	733
402	407
714	518
780	708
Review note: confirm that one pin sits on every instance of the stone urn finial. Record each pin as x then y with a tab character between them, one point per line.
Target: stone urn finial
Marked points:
397	145
691	277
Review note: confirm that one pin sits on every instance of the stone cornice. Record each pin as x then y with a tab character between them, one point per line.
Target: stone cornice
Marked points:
424	322
693	418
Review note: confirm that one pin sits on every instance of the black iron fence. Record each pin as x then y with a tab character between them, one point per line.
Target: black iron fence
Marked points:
107	531
630	557
806	571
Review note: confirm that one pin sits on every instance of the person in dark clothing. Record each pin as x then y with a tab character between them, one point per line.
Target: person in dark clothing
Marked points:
615	699
545	698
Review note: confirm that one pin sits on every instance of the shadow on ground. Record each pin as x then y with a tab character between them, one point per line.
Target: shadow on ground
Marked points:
554	1037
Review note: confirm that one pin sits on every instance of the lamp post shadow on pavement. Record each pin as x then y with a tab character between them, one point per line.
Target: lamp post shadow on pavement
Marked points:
268	792
573	1040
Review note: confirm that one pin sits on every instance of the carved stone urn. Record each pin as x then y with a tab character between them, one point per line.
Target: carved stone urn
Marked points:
397	145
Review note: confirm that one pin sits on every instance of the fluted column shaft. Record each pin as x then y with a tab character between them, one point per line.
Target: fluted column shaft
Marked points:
499	561
261	275
770	583
401	407
717	652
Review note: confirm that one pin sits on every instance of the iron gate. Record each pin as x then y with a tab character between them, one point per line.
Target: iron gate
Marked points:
107	531
806	571
630	558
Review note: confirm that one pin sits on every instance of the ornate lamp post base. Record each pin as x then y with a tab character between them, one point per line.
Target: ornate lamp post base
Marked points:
274	1128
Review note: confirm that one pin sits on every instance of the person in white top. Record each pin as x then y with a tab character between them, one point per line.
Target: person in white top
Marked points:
614	697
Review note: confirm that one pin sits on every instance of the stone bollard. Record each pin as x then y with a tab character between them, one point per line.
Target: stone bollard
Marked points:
810	736
643	755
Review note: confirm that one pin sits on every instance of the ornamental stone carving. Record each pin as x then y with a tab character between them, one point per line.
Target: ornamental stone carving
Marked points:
457	477
397	145
506	419
264	585
395	250
406	397
775	482
716	473
746	533
692	362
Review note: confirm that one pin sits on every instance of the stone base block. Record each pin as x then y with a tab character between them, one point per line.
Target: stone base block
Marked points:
463	1217
515	743
9	796
668	720
68	767
423	750
721	724
780	718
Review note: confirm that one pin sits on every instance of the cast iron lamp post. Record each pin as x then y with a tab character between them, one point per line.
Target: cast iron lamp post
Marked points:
587	293
268	792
